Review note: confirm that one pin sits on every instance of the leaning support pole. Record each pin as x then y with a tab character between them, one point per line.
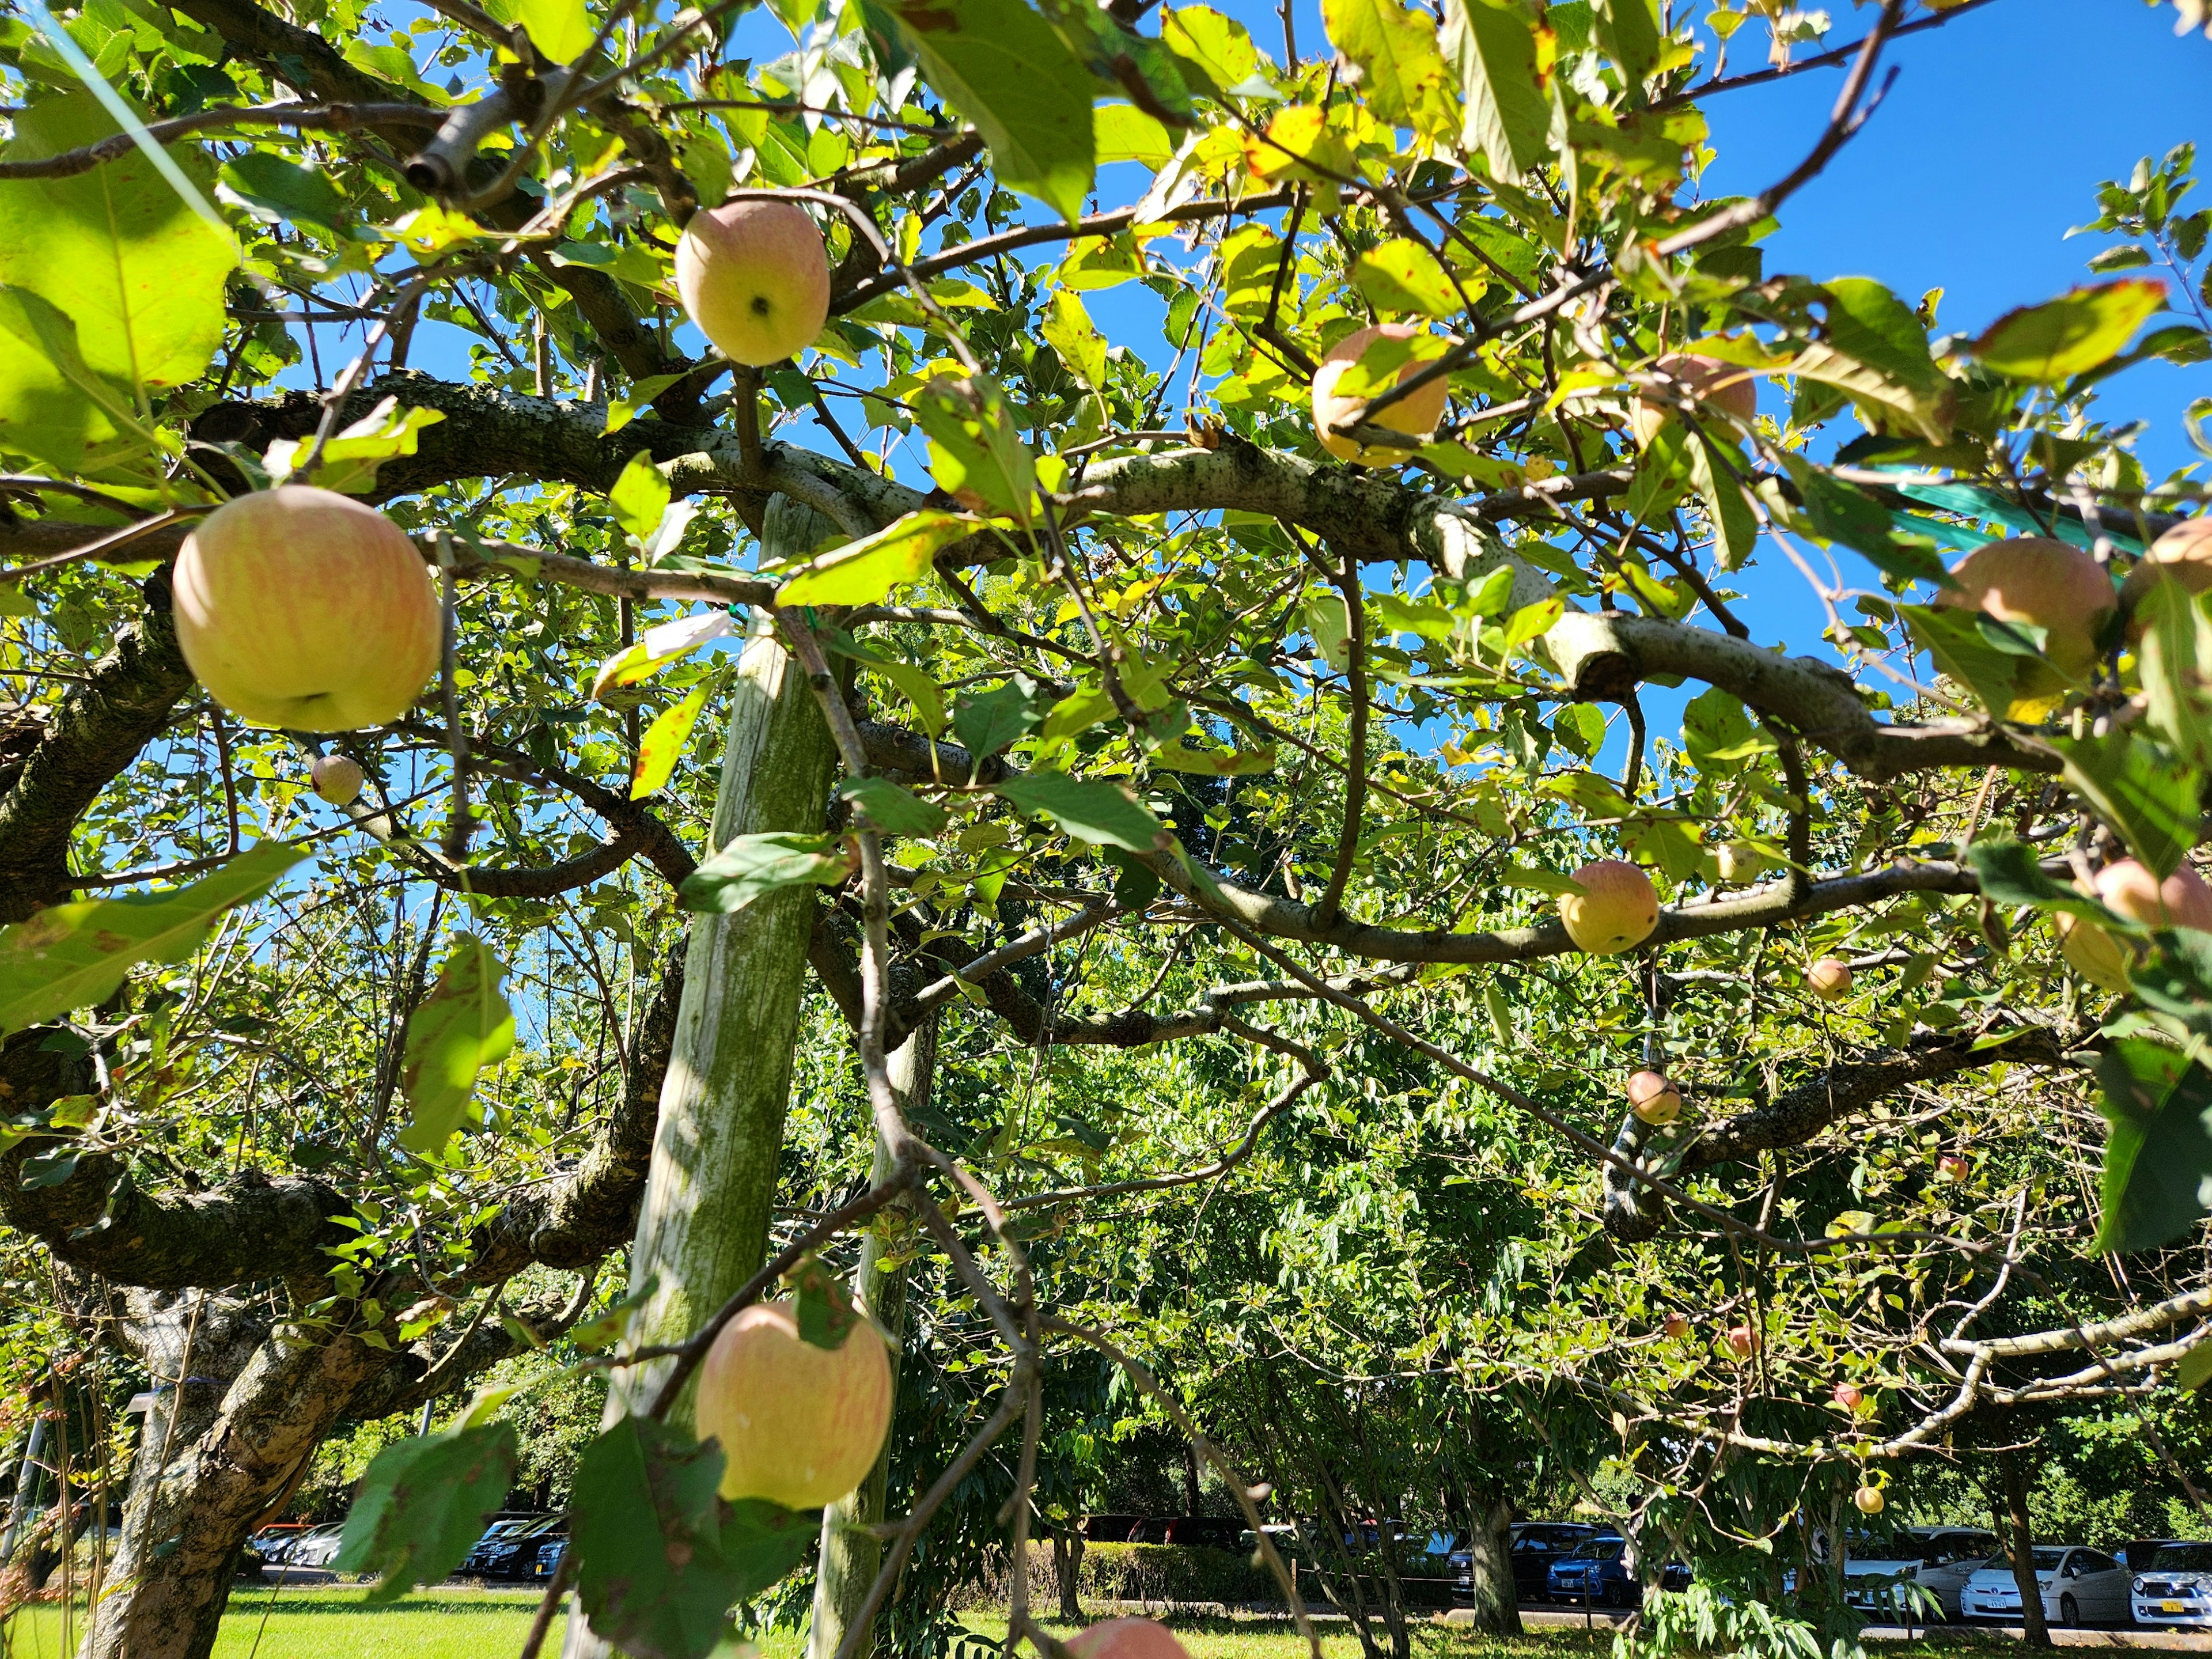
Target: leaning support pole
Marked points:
703	1229
850	1557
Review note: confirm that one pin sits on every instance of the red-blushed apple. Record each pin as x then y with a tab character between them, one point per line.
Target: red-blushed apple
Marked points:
1653	1098
1415	415
1870	1500
1829	978
753	275
2045	584
336	778
2094	953
1952	1168
302	609
1678	1325
1847	1395
2182	553
1615	911
799	1426
1738	861
1728	386
1126	1638
1743	1342
2182	900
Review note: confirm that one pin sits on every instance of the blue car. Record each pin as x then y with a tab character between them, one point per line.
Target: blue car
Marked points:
1597	1574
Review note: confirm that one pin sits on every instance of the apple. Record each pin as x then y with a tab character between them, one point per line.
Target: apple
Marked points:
2045	584
1952	1168
1126	1638
1678	1325
303	609
1615	909
753	276
1653	1098
2184	553
1848	1396
2094	953
1727	386
799	1426
1829	979
2182	900
1743	1342
1415	415
1870	1500
1739	861
336	778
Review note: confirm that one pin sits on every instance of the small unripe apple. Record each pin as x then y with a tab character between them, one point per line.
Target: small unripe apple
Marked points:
303	609
1743	1342
2182	900
2045	584
1829	978
1727	386
1616	910
1848	1396
799	1426
753	275
2182	553
1678	1325
1415	415
2094	953
1870	1500
1653	1098
336	778
1952	1168
1738	861
1126	1638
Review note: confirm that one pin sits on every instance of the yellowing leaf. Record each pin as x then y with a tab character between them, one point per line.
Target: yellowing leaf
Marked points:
659	645
1069	331
1402	275
863	572
663	744
1123	132
2078	331
1406	82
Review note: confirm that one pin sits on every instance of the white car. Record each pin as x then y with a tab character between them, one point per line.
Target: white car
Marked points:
1939	1559
2080	1586
2176	1588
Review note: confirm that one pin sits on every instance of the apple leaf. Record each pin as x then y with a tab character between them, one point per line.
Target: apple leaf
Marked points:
72	956
889	808
2140	790
423	1504
1492	46
1104	813
1405	80
658	646
351	457
640	495
663	744
1401	275
825	1313
461	1027
988	721
973	445
2068	336
751	867
863	572
2158	1154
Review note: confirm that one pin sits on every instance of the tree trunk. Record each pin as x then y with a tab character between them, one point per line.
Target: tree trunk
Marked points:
1067	1569
849	1558
703	1229
1190	1478
1496	1605
2022	1539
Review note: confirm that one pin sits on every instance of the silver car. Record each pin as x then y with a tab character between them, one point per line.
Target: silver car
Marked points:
2176	1588
2079	1587
1939	1559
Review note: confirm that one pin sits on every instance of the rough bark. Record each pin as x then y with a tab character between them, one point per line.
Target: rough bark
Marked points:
1496	1607
849	1558
2019	1538
703	1230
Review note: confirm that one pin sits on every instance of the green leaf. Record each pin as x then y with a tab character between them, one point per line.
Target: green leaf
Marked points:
657	1568
116	249
663	744
1402	275
1406	82
1872	345
1717	731
1104	813
864	572
1007	70
73	956
889	808
1735	524
752	866
1629	32
988	721
640	495
2009	874
44	412
1217	45
2140	790
825	1313
2011	685
1213	763
562	30
2062	337
2159	1152
622	411
284	190
973	445
461	1027
1492	44
2173	660
423	1504
351	457
1069	330
1122	132
1841	512
659	645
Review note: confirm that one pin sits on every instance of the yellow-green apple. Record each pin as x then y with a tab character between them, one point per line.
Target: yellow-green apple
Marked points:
799	1426
1126	1638
1847	1395
2182	900
1415	415
2184	553
2045	584
1678	1325
1870	1500
336	778
1612	907
1952	1168
302	609
753	276
2094	953
1653	1098
1829	978
1728	386
1738	861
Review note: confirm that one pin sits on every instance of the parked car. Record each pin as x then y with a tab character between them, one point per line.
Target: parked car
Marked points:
273	1543
1536	1545
1596	1572
2079	1586
2137	1554
318	1548
1939	1559
548	1557
2175	1588
508	1548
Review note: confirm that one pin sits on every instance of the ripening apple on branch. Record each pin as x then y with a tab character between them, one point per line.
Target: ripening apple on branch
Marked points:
2042	583
755	278
1653	1099
1614	909
336	778
1829	979
1727	386
799	1426
1415	415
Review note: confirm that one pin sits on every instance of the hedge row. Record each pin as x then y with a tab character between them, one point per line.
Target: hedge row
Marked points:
1175	1573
